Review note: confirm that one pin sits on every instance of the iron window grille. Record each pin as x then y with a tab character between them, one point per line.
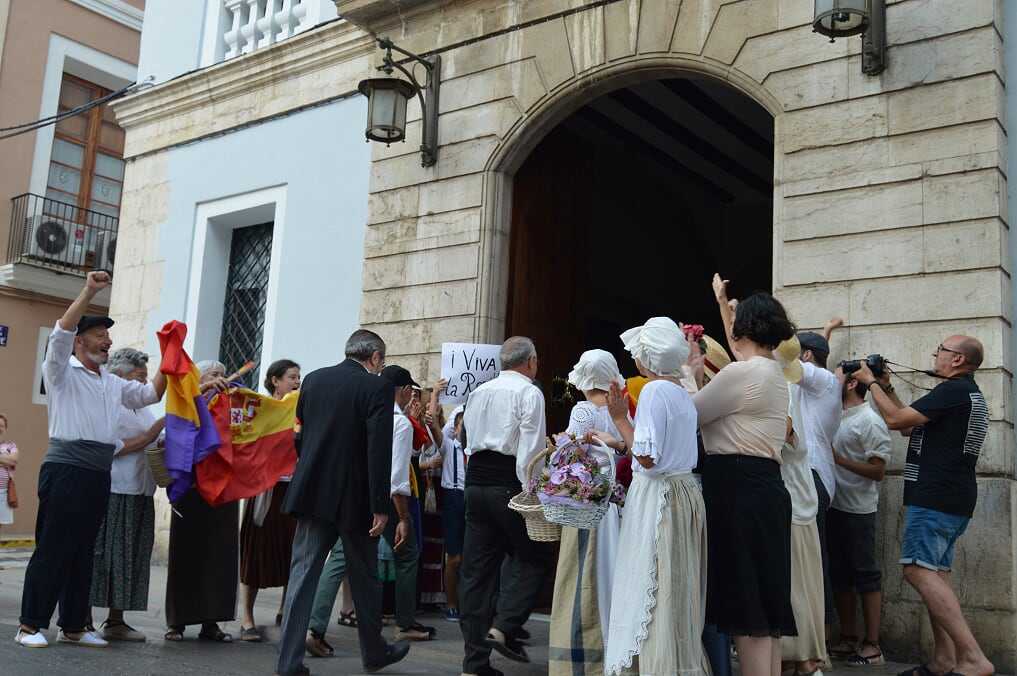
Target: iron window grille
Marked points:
243	321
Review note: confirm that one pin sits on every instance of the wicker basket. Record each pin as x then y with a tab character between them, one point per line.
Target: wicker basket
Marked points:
584	518
529	507
157	463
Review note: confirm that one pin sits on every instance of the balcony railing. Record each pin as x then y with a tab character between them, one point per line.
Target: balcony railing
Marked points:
238	27
60	236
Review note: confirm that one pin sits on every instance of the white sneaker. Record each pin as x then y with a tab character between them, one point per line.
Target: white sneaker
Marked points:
89	639
36	640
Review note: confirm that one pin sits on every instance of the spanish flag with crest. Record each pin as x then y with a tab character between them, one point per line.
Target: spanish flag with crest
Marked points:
257	447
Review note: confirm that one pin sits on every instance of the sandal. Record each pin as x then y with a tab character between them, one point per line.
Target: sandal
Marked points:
348	619
250	635
920	670
218	636
174	634
859	660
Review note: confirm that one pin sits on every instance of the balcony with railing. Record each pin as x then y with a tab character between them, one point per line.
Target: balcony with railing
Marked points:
238	27
61	237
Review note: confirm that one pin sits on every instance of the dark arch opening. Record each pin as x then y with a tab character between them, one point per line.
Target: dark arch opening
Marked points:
626	209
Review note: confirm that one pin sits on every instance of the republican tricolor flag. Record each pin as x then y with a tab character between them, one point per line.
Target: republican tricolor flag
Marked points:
237	444
191	435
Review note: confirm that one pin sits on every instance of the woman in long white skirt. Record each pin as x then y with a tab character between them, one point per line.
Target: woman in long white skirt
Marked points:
581	608
658	608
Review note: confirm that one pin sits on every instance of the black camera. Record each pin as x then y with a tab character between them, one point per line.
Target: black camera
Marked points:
877	364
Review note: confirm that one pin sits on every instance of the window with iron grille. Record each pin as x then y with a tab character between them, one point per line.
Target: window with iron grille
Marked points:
243	317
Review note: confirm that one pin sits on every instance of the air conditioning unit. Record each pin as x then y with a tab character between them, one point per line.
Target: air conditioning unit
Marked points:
58	241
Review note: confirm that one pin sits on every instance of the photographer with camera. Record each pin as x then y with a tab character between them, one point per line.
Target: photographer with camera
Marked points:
861	448
947	429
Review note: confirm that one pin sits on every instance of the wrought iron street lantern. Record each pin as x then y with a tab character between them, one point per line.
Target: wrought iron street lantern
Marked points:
844	18
388	96
386	108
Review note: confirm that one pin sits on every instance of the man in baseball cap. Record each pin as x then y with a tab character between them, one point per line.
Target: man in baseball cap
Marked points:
399	531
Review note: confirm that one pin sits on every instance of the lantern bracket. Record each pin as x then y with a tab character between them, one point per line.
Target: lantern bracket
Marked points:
426	93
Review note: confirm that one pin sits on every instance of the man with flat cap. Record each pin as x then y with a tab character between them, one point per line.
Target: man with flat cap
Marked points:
85	401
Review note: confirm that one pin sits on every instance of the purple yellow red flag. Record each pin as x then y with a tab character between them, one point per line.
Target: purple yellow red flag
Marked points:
191	434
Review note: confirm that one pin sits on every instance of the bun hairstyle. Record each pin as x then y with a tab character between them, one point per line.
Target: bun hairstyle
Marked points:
763	320
277	370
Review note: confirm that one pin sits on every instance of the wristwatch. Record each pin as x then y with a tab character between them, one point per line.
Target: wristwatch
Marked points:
888	388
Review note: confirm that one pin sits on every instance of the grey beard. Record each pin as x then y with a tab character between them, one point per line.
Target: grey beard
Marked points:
98	357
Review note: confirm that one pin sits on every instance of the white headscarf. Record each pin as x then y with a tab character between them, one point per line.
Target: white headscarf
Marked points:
659	345
596	370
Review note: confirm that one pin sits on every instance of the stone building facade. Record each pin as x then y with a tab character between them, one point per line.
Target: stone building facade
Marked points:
889	193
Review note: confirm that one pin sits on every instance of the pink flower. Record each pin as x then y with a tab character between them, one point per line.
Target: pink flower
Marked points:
693	332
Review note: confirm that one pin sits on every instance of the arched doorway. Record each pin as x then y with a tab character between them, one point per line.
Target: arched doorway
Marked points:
626	208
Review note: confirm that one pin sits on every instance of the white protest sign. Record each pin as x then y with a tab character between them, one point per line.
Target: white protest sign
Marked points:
466	366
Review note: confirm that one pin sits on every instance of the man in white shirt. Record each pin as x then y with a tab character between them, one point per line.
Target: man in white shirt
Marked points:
818	400
399	531
85	404
505	428
862	448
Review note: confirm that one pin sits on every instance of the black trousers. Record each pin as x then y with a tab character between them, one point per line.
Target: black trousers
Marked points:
72	506
830	611
492	532
311	544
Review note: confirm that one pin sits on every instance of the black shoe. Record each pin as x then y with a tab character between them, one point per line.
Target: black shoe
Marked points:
394	652
522	636
427	630
511	648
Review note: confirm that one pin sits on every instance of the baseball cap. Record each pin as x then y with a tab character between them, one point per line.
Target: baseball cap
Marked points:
91	321
398	376
814	341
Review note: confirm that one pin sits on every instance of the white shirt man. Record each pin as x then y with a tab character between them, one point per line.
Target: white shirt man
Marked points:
85	402
818	401
505	428
506	415
402	451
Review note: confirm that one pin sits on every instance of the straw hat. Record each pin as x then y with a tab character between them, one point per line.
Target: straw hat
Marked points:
715	358
787	354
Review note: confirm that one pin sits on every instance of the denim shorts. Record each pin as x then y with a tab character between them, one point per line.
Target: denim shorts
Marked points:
929	538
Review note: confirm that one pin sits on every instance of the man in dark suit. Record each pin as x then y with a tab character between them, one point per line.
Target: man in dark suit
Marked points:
341	490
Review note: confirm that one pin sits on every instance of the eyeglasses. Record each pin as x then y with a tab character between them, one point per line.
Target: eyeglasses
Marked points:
943	348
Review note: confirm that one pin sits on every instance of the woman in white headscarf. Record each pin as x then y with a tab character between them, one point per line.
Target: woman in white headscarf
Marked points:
582	586
658	607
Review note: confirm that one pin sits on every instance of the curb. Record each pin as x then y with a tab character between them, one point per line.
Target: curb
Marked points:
17	543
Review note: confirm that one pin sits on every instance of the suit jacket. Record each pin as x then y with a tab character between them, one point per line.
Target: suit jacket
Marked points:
345	448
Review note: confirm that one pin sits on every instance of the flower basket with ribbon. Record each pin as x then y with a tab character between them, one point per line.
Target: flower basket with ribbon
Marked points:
575	488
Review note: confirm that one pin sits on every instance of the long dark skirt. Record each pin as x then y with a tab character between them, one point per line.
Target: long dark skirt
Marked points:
266	550
201	584
123	553
748	516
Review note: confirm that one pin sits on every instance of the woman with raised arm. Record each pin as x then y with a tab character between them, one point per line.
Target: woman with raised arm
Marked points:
743	413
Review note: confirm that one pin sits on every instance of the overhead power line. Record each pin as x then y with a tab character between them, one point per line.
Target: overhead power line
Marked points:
18	129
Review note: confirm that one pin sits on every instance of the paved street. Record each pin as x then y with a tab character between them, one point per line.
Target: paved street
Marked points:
159	658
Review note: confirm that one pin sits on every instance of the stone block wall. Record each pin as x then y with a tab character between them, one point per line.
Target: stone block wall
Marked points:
889	206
